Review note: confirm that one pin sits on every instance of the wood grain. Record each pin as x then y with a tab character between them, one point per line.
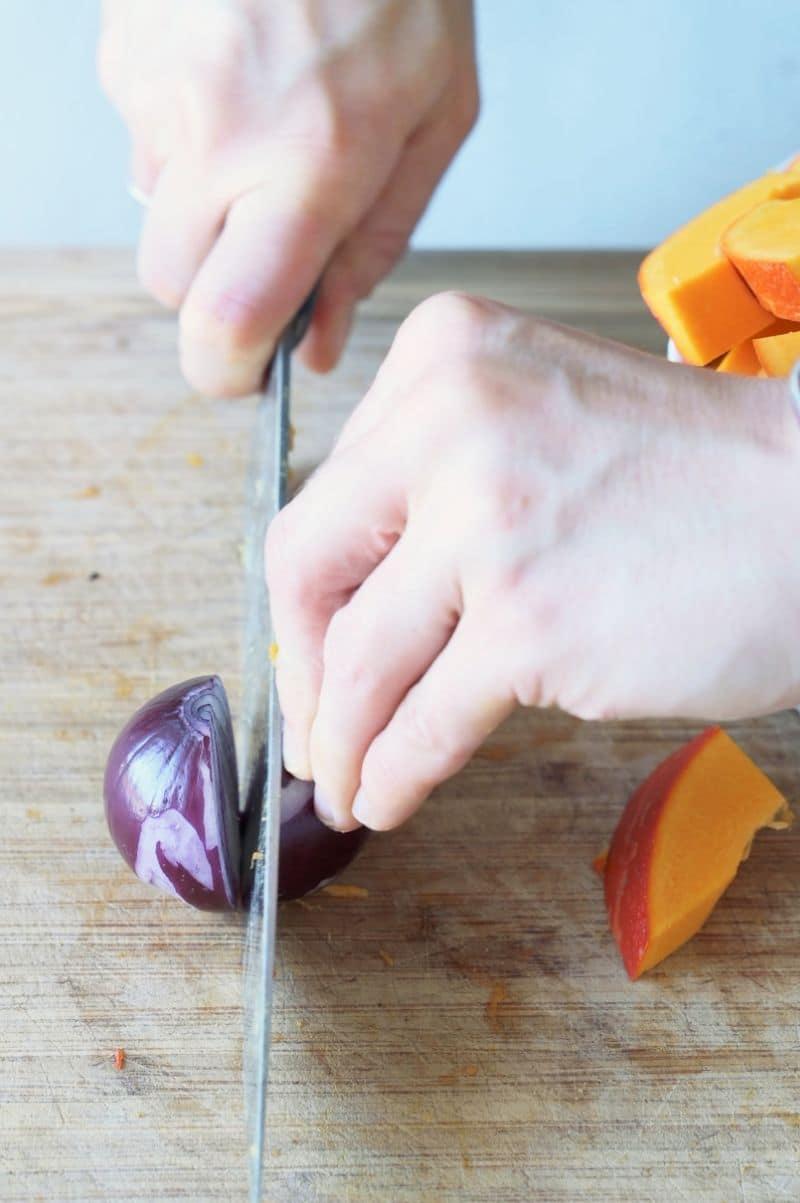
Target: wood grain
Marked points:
462	1032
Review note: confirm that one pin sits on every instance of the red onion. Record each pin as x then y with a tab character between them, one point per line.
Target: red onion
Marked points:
172	806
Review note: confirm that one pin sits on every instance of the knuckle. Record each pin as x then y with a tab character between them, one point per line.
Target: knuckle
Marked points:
455	319
426	736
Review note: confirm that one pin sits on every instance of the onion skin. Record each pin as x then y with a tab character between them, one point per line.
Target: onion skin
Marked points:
172	806
171	795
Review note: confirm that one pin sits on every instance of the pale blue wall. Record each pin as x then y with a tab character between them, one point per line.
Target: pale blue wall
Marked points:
605	122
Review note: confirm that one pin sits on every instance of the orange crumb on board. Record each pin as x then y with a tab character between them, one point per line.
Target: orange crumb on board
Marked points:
85	494
119	1058
336	890
194	459
123	686
55	578
386	957
497	752
599	862
272	652
498	996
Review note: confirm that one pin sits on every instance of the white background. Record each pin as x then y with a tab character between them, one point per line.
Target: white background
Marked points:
605	123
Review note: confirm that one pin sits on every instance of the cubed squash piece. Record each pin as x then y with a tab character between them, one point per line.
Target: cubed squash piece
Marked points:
694	290
764	245
741	360
778	354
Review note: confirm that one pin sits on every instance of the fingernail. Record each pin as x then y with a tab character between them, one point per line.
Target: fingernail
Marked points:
362	809
295	754
326	813
324	808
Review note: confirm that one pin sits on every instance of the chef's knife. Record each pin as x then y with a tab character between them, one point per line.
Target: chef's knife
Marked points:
260	751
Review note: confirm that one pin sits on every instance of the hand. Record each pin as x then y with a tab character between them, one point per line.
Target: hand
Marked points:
278	139
517	513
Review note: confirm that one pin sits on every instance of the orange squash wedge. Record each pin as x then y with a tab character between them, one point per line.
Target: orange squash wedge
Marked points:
679	843
764	245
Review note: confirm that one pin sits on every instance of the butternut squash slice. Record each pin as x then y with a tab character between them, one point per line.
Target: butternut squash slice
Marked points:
679	843
694	290
764	245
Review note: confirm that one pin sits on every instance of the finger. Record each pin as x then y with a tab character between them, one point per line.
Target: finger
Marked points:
331	324
182	222
380	239
319	549
274	246
435	730
376	647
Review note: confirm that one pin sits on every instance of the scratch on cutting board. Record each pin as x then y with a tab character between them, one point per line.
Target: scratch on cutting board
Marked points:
741	1184
53	1094
654	1116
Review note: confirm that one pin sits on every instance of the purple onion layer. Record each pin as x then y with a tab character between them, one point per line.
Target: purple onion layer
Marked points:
172	806
171	795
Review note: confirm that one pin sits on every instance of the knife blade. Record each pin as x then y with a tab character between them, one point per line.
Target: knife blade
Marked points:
260	743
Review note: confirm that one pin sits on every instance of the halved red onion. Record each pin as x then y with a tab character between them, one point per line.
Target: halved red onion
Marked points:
172	806
310	853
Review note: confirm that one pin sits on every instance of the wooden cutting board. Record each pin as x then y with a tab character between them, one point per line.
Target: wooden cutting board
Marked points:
462	1031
